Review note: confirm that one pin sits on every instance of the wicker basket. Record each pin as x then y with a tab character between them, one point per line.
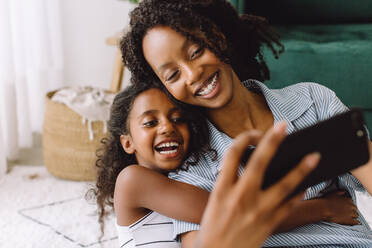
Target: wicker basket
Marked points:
67	150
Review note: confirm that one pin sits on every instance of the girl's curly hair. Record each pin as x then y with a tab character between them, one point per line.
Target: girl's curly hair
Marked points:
214	24
111	157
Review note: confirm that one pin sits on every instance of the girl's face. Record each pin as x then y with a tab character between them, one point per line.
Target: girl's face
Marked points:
159	136
192	74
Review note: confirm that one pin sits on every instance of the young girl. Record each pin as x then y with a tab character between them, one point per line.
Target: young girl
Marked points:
151	136
202	52
147	129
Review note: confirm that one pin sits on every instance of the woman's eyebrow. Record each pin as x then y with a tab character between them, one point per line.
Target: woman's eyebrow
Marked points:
183	47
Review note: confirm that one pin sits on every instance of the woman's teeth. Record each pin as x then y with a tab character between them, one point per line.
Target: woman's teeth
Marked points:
209	87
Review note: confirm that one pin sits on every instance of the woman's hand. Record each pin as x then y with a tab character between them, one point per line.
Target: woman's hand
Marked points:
239	213
339	208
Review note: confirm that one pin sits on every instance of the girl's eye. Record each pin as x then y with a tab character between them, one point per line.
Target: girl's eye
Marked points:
151	123
196	53
172	76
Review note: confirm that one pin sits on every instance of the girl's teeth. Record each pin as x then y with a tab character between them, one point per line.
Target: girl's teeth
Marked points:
168	144
168	152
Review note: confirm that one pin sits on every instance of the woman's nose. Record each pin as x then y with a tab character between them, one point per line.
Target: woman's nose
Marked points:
193	73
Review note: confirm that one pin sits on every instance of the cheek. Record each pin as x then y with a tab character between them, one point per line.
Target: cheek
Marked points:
143	138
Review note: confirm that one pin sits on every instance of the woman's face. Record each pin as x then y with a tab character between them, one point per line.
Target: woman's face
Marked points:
192	74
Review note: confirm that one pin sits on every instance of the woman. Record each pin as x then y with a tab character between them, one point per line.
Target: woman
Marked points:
201	51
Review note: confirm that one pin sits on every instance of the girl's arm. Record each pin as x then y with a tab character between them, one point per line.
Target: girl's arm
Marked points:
138	187
364	173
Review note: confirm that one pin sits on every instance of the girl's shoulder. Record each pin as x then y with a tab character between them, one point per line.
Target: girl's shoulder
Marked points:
130	189
129	178
136	182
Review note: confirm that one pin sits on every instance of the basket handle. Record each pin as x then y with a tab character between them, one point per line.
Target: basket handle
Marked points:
118	72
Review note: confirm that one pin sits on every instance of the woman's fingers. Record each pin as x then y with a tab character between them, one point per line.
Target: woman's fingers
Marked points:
279	191
231	159
262	155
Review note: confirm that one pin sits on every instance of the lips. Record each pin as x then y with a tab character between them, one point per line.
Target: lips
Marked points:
208	86
168	147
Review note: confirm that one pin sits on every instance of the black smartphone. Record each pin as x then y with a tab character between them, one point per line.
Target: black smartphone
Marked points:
341	140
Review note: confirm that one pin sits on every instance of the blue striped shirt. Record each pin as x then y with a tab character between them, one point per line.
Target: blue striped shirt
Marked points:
300	105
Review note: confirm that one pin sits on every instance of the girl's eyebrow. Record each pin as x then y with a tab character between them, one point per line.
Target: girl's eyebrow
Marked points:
155	111
148	112
185	43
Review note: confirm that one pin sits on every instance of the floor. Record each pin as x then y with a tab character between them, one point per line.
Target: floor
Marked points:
30	156
43	211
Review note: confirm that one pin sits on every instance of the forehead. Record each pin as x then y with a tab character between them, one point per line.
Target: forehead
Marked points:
161	41
152	99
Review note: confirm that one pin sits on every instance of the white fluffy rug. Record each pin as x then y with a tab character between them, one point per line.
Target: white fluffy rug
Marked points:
38	210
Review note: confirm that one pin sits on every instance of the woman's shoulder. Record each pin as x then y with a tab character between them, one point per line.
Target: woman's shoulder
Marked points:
324	100
314	91
309	88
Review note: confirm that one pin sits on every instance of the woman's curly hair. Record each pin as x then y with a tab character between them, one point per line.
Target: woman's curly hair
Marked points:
111	157
214	24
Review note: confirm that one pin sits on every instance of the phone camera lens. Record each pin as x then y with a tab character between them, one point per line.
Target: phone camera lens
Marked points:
360	133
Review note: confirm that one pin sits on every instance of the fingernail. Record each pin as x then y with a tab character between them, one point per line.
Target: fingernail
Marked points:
280	127
313	159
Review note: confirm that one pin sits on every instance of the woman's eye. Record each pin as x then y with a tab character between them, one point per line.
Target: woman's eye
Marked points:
196	53
178	120
150	123
172	76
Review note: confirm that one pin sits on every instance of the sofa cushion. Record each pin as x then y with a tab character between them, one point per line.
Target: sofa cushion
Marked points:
310	11
337	56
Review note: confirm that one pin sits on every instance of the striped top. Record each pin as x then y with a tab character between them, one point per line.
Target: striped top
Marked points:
153	230
300	105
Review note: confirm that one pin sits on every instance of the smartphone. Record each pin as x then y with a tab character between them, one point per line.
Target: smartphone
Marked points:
341	140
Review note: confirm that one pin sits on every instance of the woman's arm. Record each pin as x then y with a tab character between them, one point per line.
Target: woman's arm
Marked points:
364	173
239	212
138	187
334	207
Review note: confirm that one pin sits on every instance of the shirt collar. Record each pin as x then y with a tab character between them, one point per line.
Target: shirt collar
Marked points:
285	104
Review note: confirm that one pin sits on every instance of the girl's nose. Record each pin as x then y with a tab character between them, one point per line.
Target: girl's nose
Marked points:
166	127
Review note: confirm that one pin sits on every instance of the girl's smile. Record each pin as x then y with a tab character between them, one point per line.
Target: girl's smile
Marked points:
159	136
169	148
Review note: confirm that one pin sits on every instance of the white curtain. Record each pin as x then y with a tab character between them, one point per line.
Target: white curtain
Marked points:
31	63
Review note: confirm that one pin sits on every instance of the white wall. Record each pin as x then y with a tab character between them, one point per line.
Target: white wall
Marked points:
86	24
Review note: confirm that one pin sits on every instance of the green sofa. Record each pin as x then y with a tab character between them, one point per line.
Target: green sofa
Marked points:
328	42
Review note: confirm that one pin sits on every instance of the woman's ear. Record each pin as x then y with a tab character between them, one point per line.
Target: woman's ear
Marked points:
127	143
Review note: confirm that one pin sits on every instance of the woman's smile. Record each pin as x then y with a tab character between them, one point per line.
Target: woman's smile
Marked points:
191	73
209	88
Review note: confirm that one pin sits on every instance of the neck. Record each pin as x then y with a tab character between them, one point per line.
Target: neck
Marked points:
245	111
